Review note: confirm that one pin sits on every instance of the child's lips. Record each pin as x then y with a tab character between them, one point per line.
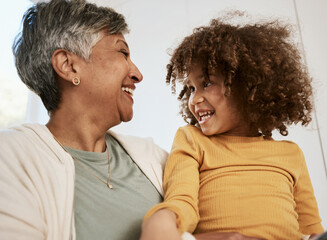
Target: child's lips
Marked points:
204	116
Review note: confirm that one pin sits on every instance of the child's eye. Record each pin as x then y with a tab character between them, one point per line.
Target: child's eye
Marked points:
191	88
207	84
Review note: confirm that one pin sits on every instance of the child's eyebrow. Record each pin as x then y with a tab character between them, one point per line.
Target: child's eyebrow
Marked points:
198	77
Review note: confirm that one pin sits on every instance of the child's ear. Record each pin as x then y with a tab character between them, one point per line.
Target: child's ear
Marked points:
63	62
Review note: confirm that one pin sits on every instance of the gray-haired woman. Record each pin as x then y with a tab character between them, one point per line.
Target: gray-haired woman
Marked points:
74	56
73	178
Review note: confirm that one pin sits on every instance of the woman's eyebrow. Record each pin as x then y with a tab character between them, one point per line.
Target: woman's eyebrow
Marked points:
125	43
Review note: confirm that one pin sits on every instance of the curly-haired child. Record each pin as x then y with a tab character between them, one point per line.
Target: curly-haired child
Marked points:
225	172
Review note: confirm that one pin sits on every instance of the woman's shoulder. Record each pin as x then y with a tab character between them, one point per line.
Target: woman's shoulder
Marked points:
23	132
131	140
13	134
18	143
28	139
140	146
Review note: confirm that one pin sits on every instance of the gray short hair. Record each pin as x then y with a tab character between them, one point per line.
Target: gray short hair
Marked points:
73	25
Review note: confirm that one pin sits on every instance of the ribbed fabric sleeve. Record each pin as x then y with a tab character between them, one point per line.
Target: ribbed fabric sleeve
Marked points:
306	204
257	187
182	176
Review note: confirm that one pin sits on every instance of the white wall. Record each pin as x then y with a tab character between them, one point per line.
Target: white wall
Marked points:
157	26
312	19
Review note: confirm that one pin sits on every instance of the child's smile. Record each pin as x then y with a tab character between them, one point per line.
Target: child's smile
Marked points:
203	116
215	112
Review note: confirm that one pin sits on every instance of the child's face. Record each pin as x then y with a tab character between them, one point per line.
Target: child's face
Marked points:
215	112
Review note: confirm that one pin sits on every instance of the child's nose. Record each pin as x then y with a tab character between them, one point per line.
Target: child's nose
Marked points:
197	98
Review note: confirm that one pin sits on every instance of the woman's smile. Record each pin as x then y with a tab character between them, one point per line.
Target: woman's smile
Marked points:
128	91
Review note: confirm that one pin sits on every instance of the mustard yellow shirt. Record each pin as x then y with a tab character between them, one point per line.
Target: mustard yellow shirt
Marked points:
250	185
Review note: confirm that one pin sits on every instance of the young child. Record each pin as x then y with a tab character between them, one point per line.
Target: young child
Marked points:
225	172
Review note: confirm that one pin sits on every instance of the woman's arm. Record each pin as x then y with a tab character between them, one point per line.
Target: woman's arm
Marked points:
20	211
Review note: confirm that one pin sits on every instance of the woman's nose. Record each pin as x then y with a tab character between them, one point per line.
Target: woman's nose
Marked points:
135	74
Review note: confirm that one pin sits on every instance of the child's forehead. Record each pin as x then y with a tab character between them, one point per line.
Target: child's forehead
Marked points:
199	72
195	74
194	80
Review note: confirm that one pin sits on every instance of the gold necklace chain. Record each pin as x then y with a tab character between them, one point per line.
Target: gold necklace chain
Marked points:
88	169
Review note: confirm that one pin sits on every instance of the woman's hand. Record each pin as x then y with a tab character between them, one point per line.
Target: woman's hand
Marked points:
223	236
161	226
312	236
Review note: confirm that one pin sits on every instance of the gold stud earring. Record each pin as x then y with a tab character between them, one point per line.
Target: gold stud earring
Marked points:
76	81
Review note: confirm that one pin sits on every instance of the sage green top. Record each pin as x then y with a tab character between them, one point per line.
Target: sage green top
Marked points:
111	214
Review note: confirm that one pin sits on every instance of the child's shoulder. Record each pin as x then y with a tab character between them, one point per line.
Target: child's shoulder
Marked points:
288	145
190	130
190	133
285	142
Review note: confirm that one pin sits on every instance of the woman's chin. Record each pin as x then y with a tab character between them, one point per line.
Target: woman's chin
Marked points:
127	118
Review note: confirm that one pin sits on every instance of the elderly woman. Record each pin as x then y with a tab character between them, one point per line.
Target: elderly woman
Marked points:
75	57
73	178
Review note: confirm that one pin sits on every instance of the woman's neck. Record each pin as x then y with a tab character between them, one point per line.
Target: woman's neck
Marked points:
77	132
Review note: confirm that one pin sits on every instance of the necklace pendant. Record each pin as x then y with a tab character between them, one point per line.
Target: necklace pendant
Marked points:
110	186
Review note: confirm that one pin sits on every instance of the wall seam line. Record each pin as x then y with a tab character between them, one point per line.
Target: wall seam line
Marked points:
314	108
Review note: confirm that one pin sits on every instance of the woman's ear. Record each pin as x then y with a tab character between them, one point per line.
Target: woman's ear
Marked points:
63	63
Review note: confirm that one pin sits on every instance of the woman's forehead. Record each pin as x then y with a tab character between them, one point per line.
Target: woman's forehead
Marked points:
111	41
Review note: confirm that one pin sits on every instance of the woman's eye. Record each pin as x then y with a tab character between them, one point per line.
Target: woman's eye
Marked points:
125	53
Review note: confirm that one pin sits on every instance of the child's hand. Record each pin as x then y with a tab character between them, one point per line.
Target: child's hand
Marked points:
161	226
223	236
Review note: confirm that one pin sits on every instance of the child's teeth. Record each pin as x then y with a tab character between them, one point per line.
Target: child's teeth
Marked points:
205	115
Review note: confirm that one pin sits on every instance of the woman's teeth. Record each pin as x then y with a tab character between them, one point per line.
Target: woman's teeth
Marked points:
128	90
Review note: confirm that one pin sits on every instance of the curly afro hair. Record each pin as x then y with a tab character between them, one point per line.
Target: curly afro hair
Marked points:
263	72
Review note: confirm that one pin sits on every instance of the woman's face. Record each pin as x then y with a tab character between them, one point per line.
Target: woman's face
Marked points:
108	81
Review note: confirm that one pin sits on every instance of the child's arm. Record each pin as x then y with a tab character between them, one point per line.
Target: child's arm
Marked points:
181	183
306	204
161	226
224	236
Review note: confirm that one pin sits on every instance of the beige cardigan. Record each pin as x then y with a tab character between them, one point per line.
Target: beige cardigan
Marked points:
37	181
